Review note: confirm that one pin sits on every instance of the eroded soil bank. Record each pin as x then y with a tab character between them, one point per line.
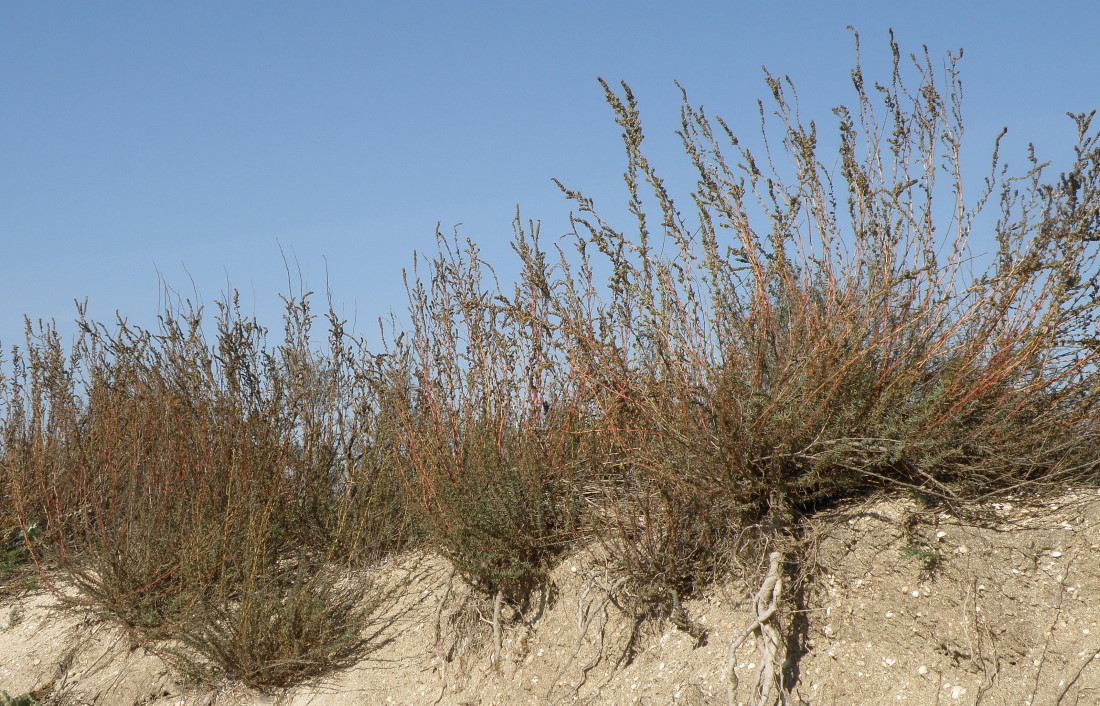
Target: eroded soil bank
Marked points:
905	605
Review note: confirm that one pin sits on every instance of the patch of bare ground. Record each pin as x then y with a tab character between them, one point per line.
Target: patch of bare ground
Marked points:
903	604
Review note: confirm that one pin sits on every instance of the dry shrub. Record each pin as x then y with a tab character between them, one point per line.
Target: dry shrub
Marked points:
176	480
488	433
281	628
815	332
817	327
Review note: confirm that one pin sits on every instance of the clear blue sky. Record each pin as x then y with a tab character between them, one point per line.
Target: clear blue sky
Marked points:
192	138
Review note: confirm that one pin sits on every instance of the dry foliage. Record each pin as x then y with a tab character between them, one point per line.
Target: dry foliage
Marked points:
811	328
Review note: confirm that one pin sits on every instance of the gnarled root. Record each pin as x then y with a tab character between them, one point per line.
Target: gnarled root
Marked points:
768	689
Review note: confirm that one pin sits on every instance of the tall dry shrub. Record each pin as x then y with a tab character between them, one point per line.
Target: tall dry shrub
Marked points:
489	433
187	486
813	329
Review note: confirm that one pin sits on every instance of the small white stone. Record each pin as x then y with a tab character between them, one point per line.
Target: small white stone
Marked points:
922	670
941	534
1056	554
957	691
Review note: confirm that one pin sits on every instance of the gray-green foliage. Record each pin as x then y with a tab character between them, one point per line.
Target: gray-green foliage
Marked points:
208	491
801	325
810	326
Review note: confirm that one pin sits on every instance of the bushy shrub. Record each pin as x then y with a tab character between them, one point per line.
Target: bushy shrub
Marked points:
813	327
280	628
176	479
812	332
489	436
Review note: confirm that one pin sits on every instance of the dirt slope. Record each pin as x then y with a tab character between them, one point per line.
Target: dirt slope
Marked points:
905	605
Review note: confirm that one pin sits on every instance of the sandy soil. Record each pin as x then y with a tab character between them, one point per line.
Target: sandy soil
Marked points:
904	605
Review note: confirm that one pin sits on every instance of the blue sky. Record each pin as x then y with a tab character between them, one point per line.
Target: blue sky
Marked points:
190	140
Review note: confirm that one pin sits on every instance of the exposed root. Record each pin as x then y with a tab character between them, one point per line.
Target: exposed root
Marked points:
544	595
455	630
977	644
437	619
586	614
1068	683
498	639
1050	632
683	622
768	688
630	649
440	652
